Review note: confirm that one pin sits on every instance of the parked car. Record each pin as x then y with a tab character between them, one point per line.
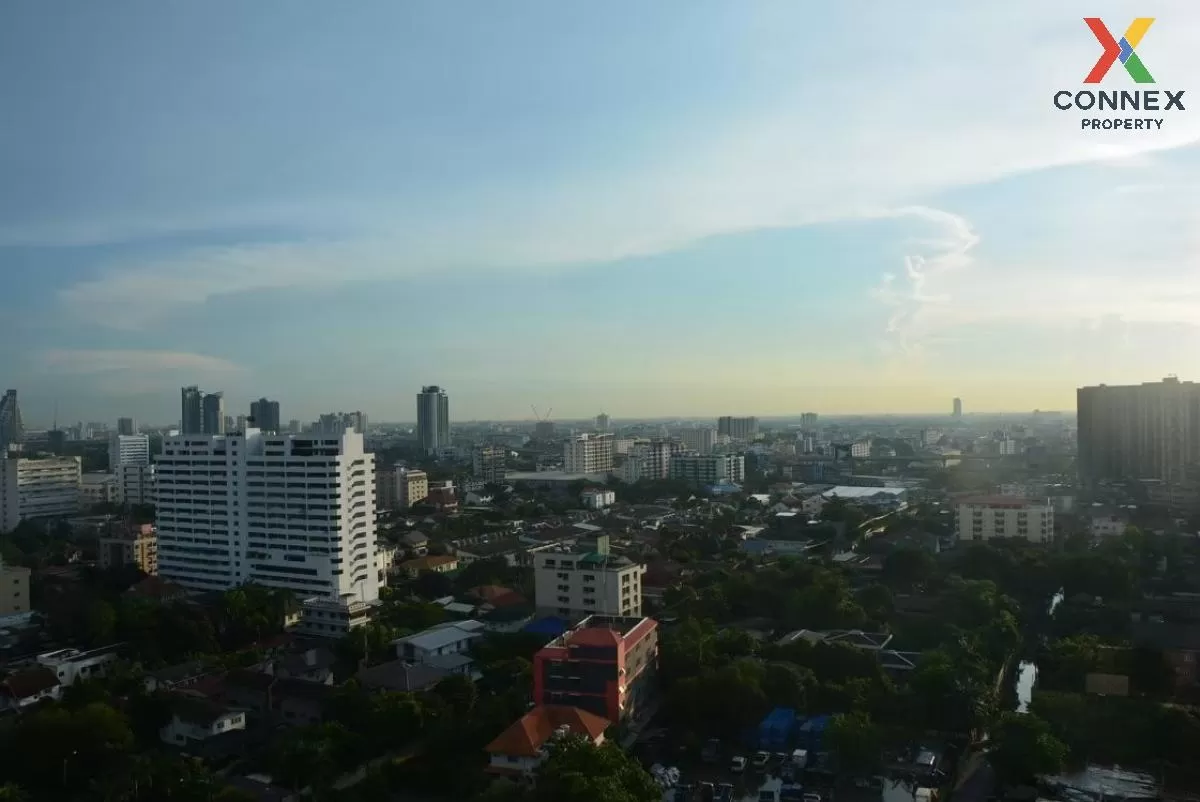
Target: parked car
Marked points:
738	764
761	759
812	798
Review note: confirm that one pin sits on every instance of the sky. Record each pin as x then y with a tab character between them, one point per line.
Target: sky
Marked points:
684	207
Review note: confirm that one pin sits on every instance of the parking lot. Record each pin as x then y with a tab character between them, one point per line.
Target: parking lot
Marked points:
747	784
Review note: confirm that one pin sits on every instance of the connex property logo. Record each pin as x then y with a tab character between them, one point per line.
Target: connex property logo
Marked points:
1150	102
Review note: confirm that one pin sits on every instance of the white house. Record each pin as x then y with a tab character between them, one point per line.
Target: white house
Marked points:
445	639
70	665
194	719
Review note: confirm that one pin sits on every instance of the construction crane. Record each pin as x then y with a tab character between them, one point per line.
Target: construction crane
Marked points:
540	417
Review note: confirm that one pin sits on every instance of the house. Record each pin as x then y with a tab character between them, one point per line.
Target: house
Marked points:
438	564
286	700
385	558
521	748
401	675
415	541
181	675
24	688
444	639
496	596
70	665
893	661
311	665
157	589
195	719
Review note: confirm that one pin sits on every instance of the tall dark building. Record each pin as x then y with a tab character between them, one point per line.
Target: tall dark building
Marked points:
1141	431
11	430
126	426
957	407
265	414
737	428
213	414
433	418
191	414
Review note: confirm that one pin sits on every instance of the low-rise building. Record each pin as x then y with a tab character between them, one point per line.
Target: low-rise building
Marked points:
133	545
412	486
72	665
520	749
195	719
453	638
597	498
606	665
14	590
987	517
27	687
587	578
416	542
99	488
439	564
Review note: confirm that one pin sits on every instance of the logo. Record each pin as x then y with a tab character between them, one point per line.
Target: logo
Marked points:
1136	109
1123	50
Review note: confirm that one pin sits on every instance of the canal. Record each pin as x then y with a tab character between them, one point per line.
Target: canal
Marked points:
1027	670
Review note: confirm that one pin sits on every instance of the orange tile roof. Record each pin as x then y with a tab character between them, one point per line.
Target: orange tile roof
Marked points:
594	636
530	732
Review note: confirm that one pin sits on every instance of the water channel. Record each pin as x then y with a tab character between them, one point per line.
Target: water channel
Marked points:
1027	670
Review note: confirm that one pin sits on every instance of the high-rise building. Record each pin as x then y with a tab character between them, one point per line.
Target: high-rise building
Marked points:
130	545
710	470
958	407
11	430
433	419
213	419
128	449
700	440
136	484
602	422
191	414
808	421
544	430
737	428
338	422
126	426
280	510
44	487
265	415
1141	431
411	486
489	463
588	453
650	459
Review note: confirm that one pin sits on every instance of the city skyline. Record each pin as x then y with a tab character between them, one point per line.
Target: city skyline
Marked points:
587	212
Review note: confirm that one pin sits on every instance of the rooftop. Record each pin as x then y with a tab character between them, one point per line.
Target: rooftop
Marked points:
853	492
436	638
604	630
528	734
1003	502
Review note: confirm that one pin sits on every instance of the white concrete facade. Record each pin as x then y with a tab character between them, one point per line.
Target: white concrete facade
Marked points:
38	488
588	453
282	510
1005	517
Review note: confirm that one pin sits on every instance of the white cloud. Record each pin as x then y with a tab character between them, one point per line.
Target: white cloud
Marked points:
960	97
144	363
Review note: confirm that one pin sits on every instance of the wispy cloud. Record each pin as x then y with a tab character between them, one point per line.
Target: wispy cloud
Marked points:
92	363
886	132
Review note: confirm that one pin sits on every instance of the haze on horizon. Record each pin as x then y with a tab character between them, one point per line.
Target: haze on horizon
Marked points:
684	208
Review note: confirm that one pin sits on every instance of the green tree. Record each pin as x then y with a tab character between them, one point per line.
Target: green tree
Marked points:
908	568
1024	748
578	771
856	740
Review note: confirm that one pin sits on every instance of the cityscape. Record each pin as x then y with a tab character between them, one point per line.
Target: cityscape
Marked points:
671	401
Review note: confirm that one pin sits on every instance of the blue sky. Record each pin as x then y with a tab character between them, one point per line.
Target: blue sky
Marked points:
682	207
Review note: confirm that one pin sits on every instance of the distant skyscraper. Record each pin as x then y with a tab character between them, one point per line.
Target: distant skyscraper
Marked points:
213	417
266	415
602	421
737	428
11	430
958	407
1141	431
433	419
191	415
808	421
126	426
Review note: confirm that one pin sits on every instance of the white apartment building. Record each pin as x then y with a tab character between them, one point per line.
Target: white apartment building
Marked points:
136	484
412	485
709	470
588	453
699	440
574	581
862	448
43	487
987	517
128	449
282	510
649	459
597	498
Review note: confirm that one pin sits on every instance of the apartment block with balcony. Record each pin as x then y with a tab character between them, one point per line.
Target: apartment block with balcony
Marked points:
412	486
38	487
606	665
281	510
588	454
986	517
576	581
709	470
136	484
